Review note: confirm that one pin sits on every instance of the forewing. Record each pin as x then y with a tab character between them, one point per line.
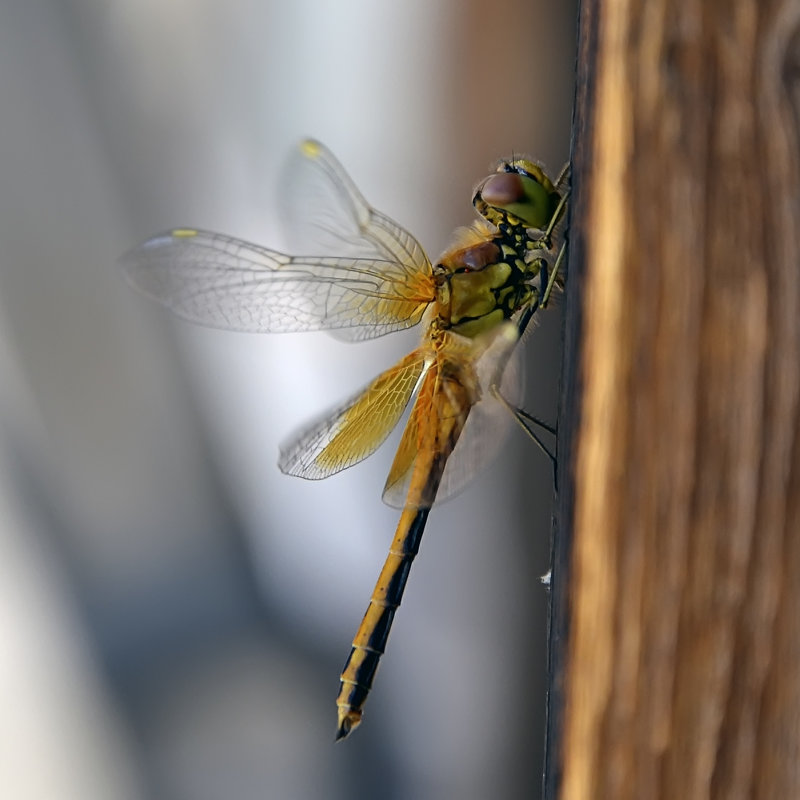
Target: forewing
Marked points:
326	214
355	430
228	283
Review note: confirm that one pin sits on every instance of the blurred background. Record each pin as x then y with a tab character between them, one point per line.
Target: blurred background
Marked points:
174	612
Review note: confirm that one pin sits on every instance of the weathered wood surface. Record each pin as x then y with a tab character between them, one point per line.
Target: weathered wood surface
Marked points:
683	659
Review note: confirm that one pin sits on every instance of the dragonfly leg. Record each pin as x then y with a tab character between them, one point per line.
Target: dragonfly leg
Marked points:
547	280
528	423
553	275
539	423
563	176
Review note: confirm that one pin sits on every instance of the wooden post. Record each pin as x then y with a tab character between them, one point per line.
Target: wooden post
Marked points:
683	660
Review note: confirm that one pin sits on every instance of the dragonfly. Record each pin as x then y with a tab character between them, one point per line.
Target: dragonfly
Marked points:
475	302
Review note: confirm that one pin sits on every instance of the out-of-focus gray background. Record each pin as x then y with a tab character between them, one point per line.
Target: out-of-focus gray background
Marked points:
174	612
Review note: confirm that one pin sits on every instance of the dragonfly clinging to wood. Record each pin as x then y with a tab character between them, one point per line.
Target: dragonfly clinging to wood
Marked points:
373	277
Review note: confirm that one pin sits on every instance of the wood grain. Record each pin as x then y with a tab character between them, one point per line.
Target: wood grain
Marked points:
683	674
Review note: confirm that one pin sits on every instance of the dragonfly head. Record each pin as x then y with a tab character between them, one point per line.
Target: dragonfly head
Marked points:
519	193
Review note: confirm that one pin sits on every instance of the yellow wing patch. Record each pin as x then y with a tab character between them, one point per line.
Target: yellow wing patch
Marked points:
356	430
310	148
433	429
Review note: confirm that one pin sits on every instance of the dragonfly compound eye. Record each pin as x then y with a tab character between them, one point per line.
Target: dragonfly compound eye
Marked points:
518	195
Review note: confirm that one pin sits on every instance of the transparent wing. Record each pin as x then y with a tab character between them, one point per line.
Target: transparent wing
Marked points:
228	283
486	426
355	430
327	215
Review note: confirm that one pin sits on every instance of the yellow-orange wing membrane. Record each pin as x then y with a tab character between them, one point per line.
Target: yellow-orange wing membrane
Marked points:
456	421
356	429
466	378
228	283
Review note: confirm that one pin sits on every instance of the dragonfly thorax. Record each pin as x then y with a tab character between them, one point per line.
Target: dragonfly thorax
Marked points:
480	285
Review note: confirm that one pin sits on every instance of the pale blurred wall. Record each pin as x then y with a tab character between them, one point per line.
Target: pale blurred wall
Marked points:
174	610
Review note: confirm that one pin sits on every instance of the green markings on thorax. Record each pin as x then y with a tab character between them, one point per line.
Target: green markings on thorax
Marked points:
483	284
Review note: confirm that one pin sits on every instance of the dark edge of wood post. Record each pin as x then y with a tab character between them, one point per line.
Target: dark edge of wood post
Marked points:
569	408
